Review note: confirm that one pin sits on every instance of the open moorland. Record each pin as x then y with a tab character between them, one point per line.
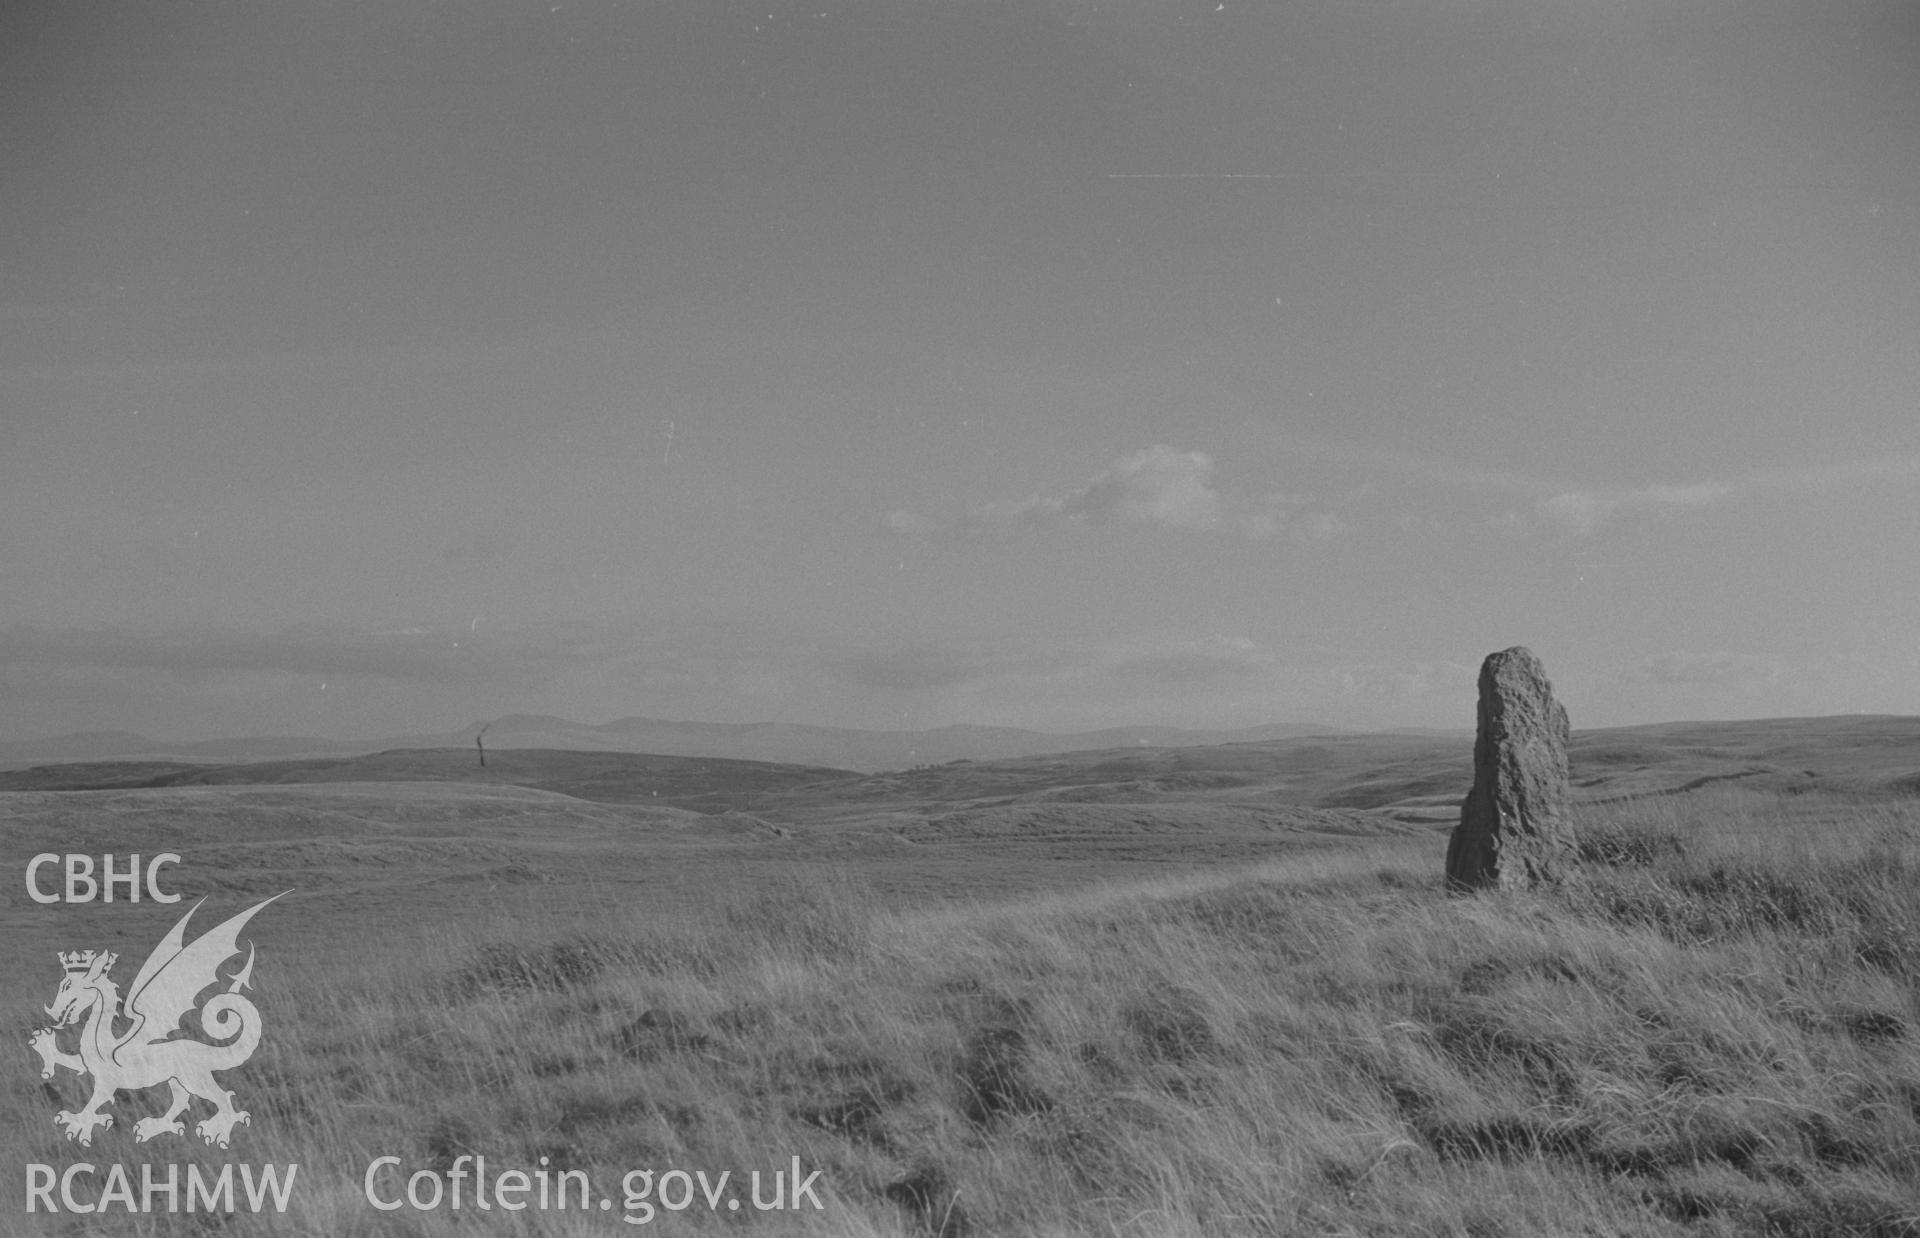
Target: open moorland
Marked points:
1151	991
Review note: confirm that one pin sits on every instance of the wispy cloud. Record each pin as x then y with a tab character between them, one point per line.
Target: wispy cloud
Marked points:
1719	669
1212	680
922	667
917	668
403	678
1434	470
411	654
1169	488
1216	659
522	659
1582	511
1408	680
907	523
1161	486
214	681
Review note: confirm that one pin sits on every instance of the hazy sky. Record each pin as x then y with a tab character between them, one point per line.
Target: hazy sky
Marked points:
372	367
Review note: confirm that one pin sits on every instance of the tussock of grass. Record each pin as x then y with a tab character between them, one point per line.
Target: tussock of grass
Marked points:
1714	1031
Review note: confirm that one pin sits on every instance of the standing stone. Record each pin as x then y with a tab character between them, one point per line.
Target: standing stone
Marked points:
1514	830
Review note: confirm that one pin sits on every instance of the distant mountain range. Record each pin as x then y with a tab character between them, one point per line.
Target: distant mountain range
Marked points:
785	742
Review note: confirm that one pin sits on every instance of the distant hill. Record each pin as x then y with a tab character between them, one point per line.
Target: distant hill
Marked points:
1413	777
129	746
705	784
782	742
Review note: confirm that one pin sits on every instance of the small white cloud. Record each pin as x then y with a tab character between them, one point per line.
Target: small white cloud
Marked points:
1169	488
909	524
1318	527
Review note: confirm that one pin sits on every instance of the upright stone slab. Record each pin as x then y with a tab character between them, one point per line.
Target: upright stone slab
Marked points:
1514	830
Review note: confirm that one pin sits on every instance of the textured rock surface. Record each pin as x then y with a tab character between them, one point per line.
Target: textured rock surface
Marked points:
1514	830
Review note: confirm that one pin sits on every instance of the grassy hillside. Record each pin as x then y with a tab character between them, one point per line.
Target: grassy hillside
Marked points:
1715	1032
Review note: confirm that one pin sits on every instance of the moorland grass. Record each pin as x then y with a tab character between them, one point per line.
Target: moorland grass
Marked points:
1713	1031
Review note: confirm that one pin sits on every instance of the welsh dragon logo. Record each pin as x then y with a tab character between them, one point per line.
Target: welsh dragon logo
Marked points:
146	1054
